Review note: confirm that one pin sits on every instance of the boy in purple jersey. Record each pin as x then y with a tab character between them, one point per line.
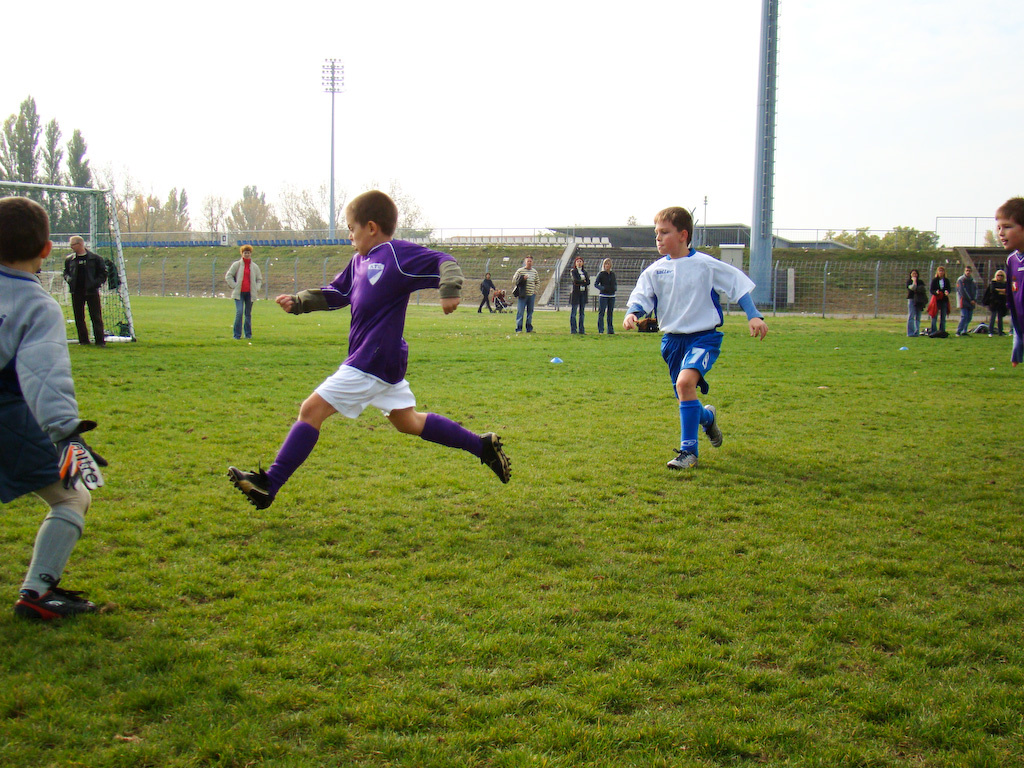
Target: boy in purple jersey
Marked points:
1010	231
376	284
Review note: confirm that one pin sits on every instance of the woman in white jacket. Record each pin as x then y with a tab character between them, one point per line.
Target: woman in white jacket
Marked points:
245	280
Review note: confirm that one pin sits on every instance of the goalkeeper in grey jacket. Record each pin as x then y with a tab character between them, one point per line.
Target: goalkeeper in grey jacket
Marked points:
41	447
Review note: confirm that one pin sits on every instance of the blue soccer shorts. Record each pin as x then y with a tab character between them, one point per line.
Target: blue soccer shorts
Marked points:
691	350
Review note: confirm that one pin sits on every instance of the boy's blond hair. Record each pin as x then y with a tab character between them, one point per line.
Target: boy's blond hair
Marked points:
377	207
679	218
1012	209
24	229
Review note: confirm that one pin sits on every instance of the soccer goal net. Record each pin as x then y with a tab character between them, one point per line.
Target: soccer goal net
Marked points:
88	213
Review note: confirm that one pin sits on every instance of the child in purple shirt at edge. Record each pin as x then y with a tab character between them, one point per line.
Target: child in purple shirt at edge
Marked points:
376	284
1010	231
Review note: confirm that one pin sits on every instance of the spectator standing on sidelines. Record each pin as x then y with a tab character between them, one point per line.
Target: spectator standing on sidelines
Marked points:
85	273
917	300
939	289
485	288
606	286
578	297
967	298
245	281
525	280
995	300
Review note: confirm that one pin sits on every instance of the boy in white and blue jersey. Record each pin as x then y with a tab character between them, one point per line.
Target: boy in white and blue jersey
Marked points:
376	286
684	287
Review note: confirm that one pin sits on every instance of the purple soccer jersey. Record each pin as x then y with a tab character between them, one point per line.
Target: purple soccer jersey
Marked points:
1015	278
377	287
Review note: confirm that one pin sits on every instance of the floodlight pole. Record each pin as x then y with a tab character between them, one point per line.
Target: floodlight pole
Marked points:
704	227
333	77
764	172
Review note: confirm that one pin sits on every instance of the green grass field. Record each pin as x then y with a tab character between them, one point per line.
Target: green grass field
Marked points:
839	585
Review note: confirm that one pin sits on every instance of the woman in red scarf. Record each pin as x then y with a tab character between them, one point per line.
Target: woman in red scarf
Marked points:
245	280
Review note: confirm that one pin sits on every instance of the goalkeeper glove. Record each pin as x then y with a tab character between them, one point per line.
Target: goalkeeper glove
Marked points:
79	463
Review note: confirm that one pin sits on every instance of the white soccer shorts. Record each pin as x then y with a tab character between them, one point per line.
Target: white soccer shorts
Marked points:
351	391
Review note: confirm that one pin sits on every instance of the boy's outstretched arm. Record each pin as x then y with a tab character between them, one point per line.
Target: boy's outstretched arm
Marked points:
758	327
450	285
312	300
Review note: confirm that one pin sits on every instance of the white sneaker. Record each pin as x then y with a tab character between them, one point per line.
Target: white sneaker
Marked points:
684	460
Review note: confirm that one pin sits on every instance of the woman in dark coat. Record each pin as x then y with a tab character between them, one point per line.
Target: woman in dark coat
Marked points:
917	300
939	289
995	300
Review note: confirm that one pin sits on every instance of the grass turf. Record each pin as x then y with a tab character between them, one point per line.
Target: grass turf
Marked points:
838	585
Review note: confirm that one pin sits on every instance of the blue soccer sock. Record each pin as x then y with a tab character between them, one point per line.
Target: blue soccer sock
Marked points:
705	415
690	412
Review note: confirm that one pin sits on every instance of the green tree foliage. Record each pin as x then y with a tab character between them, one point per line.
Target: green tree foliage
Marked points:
252	213
79	172
24	159
897	239
175	213
19	144
79	175
53	155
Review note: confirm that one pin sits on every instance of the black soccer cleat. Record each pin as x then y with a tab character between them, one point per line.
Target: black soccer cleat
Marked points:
255	486
55	603
495	458
712	430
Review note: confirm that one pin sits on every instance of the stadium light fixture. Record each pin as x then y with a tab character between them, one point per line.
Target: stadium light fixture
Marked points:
333	78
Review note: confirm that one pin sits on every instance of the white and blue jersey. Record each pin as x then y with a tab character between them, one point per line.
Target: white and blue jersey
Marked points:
686	292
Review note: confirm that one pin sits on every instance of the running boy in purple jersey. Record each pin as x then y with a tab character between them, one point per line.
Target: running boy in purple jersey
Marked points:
376	284
1010	231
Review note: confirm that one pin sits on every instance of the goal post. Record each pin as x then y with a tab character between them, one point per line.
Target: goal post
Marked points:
88	213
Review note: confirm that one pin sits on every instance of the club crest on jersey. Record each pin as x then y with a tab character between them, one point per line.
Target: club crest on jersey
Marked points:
374	271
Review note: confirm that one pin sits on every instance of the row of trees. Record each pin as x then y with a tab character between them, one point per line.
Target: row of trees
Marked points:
300	211
24	158
34	154
898	239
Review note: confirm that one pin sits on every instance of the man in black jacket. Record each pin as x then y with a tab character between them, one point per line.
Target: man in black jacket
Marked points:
85	273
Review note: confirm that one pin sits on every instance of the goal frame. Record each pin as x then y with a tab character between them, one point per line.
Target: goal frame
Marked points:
111	230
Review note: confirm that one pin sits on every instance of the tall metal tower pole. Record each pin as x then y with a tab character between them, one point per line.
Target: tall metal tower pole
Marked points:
764	172
333	77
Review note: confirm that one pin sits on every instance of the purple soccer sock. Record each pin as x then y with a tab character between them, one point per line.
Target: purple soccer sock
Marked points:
294	450
444	431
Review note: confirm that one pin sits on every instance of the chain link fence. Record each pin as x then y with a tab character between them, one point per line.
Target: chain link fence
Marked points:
827	288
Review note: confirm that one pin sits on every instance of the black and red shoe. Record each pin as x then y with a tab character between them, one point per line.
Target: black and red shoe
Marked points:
55	603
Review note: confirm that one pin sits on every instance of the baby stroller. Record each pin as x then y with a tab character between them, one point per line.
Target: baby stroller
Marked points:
500	302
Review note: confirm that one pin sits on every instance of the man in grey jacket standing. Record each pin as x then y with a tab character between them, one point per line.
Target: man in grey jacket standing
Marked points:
967	297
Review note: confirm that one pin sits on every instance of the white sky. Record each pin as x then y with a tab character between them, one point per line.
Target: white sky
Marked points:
533	114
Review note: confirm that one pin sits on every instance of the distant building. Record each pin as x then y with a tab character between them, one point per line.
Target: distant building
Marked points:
711	237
